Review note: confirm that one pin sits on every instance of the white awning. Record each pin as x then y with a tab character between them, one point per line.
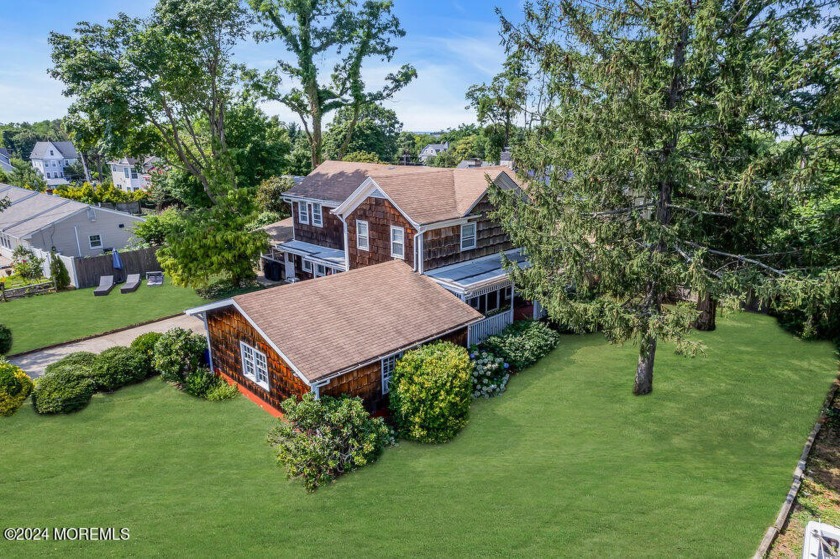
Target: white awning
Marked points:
469	276
328	256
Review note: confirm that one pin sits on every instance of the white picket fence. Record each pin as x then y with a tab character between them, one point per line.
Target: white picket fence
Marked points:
480	331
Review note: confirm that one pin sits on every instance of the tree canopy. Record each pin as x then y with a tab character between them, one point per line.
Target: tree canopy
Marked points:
376	131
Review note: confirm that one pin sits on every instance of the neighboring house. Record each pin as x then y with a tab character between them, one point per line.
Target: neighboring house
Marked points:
333	335
432	150
130	174
50	159
46	222
6	161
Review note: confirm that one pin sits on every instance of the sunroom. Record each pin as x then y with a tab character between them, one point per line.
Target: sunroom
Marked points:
301	260
484	284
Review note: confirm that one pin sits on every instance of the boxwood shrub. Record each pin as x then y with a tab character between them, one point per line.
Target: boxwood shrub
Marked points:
79	362
522	343
5	339
118	366
431	391
145	344
15	387
319	440
62	392
178	353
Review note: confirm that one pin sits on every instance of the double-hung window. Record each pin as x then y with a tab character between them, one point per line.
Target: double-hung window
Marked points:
303	214
307	266
362	235
95	241
397	242
254	365
468	236
317	215
388	365
126	171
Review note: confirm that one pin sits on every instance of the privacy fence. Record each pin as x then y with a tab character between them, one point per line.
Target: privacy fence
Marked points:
85	272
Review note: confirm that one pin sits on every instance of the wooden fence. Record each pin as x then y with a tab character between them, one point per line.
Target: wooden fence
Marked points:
24	290
89	270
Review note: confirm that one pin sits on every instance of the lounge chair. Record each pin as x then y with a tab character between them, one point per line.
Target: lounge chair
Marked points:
154	279
106	284
131	284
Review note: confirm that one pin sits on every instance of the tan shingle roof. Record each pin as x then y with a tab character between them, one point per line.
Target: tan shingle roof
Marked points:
336	180
335	323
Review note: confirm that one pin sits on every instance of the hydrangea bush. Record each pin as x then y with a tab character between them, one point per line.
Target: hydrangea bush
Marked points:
490	375
522	343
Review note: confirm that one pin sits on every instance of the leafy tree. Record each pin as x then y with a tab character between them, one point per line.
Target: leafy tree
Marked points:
270	195
26	264
362	157
499	102
20	137
650	132
376	131
155	228
259	144
164	83
318	28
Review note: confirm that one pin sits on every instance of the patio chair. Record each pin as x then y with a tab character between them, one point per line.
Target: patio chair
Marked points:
131	284
106	284
154	279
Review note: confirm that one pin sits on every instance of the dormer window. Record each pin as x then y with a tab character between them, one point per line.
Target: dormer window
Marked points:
303	215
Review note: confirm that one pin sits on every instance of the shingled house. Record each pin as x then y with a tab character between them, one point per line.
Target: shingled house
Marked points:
351	215
332	335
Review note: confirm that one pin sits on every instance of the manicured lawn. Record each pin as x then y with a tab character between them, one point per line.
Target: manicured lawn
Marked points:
566	463
44	320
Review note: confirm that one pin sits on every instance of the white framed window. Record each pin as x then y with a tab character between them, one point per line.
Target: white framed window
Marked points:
303	214
307	266
254	365
397	242
317	215
468	240
125	171
95	241
362	235
388	365
320	270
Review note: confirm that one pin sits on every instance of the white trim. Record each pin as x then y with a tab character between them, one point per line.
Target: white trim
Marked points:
320	223
291	198
303	218
359	236
361	194
304	262
256	360
386	388
474	236
101	241
394	229
209	307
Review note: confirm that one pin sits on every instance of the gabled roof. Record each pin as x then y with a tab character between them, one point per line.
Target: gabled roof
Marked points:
66	149
334	181
438	194
32	211
337	323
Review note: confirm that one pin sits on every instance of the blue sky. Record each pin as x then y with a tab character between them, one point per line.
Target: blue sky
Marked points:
452	43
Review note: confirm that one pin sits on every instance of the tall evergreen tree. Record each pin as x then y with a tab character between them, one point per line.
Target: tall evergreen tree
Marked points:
650	170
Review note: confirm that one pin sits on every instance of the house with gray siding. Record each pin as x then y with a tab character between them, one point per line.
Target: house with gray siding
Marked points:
45	222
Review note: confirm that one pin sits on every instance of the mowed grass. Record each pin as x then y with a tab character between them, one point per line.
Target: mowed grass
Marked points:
567	463
44	320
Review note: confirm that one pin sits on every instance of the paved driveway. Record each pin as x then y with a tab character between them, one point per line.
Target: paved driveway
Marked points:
34	363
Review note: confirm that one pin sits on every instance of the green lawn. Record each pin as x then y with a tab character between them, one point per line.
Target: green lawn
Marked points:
50	319
566	463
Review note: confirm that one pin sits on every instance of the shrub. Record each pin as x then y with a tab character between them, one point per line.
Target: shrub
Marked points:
522	343
490	375
319	440
145	344
15	387
222	391
5	339
200	381
62	392
58	272
178	353
118	366
80	362
26	264
431	391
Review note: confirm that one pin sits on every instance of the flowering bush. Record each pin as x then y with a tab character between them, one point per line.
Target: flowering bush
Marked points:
522	343
15	386
26	264
319	440
431	392
490	375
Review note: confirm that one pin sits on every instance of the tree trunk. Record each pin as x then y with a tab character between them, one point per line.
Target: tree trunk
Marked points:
644	370
708	309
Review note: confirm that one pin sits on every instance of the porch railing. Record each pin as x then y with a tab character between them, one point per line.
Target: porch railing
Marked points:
482	330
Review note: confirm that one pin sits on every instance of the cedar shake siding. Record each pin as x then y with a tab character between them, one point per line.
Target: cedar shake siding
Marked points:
366	382
330	235
442	247
380	215
227	328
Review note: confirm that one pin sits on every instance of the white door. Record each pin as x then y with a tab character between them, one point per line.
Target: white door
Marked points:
290	266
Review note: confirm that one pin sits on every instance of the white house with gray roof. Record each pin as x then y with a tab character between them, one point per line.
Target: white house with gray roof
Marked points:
46	222
6	161
50	159
432	150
